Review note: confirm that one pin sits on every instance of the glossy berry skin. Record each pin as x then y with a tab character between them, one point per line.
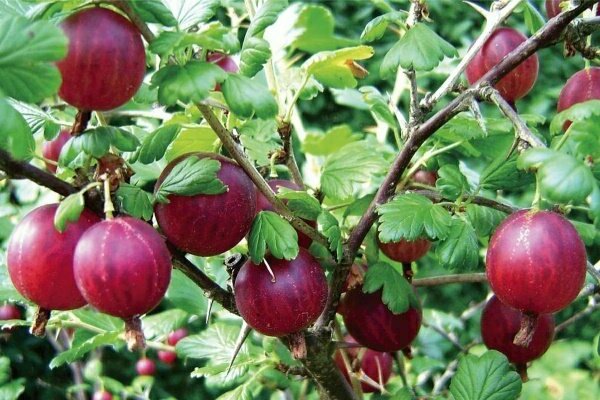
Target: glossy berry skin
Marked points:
174	337
226	63
40	258
584	85
262	204
51	150
9	311
536	262
373	325
374	364
207	225
405	251
291	303
500	324
168	357
145	367
425	177
517	83
553	8
122	267
105	63
102	396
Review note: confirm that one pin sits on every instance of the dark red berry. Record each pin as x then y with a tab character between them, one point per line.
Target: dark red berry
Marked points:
51	150
516	83
262	204
290	303
105	63
374	364
40	258
145	366
103	395
553	8
536	262
174	337
207	225
168	357
122	267
425	177
373	325
582	86
9	311
405	251
226	63
499	325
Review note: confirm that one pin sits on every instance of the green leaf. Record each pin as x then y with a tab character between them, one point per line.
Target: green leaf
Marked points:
562	177
27	50
488	377
533	19
255	53
329	142
247	97
397	293
334	68
135	201
265	15
155	144
460	250
122	139
190	13
577	112
377	26
95	142
451	182
75	353
354	163
159	325
260	138
410	217
68	210
102	321
302	204
484	219
154	11
72	154
190	177
378	105
330	227
189	83
420	49
15	135
191	140
269	230
185	294
13	389
217	343
315	27
504	174
212	36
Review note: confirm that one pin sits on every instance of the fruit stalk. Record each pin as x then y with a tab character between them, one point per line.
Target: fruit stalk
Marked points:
525	335
134	336
40	320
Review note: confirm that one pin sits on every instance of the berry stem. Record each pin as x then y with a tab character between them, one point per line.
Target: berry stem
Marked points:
525	335
522	370
134	336
408	272
109	208
81	121
40	320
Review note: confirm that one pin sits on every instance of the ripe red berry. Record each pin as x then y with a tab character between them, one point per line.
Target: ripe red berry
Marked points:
374	364
40	258
425	177
103	395
207	225
516	83
405	251
105	63
373	325
145	366
168	357
553	8
290	303
9	311
262	204
51	150
174	337
536	262
224	61
122	267
499	325
584	85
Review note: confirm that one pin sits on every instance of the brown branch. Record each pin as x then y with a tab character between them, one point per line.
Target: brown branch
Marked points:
481	201
240	157
591	307
476	277
124	6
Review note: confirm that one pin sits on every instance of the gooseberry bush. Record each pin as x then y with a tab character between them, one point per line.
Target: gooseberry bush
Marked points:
263	199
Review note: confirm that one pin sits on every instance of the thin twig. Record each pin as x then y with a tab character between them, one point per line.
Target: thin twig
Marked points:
481	201
594	303
475	277
135	19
